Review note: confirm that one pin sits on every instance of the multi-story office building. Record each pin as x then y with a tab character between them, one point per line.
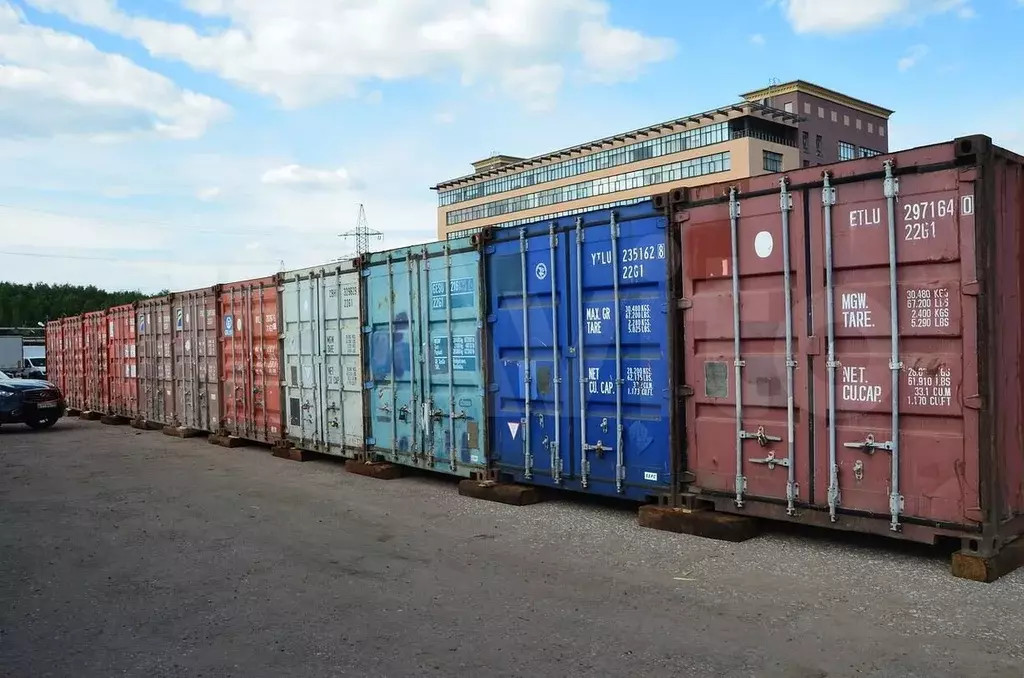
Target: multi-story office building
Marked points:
772	130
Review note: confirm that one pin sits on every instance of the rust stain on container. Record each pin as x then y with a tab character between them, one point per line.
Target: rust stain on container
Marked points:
886	383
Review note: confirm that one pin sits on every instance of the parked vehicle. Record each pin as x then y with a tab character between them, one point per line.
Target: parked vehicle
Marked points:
36	403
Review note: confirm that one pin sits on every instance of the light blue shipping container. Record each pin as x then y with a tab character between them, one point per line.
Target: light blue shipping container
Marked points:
426	357
580	356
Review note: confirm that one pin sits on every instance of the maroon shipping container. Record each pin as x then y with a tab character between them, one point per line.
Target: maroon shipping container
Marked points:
196	359
95	359
122	354
868	316
154	350
251	406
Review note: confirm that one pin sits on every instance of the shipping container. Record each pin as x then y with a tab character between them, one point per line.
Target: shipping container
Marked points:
195	331
95	358
74	362
155	357
425	357
853	343
251	360
322	357
580	353
56	373
122	358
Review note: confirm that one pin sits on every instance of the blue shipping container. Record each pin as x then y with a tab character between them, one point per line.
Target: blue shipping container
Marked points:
425	354
578	315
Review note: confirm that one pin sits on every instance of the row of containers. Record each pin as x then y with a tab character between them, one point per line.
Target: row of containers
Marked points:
838	345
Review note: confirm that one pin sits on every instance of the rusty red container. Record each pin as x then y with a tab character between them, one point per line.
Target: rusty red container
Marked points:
195	324
868	317
94	359
250	360
73	359
56	372
122	356
155	360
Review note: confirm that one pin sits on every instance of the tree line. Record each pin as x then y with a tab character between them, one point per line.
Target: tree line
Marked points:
26	305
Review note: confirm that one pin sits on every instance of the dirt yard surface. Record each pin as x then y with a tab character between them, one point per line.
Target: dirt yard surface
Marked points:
134	554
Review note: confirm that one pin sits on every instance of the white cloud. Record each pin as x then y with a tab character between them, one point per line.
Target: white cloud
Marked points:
208	194
446	117
54	83
841	16
912	57
757	39
535	86
308	177
305	51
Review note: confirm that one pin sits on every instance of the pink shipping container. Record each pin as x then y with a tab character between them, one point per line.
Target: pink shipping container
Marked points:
196	355
94	358
73	359
122	356
155	361
250	360
852	346
56	372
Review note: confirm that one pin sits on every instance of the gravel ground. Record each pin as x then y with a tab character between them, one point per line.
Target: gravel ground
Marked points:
134	554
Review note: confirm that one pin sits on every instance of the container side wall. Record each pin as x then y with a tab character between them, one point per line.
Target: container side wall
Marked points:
579	353
322	360
74	362
155	360
122	356
424	339
196	360
250	360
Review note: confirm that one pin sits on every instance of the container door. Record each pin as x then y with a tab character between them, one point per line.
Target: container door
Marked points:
899	381
397	403
237	388
618	276
342	385
746	329
455	395
303	362
265	416
532	371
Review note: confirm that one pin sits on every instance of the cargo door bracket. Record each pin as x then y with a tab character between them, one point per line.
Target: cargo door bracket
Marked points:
869	445
771	461
761	437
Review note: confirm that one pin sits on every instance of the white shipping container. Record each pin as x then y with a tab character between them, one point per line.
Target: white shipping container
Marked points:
323	364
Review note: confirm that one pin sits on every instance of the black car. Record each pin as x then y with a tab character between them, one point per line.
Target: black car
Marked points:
34	402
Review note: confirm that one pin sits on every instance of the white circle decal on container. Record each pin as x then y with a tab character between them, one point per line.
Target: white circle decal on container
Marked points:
764	244
541	271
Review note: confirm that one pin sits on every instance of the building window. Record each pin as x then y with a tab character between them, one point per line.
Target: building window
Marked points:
881	131
807	141
821	112
846	120
544	217
817	145
807	108
683	169
807	163
789	107
835	117
871	128
867	152
859	124
613	157
772	161
847	151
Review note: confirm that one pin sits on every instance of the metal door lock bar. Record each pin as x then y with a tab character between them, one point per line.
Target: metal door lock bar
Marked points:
760	436
599	448
771	461
869	445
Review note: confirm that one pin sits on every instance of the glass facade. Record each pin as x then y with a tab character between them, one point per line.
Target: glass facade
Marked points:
772	161
708	164
544	217
868	153
847	151
614	157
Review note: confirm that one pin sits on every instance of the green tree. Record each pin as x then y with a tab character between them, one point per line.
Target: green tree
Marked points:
26	305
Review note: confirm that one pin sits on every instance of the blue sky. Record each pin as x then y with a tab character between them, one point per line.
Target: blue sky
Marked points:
174	143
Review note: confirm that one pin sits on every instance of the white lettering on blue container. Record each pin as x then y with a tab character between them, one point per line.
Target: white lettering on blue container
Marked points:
638	318
595	317
595	385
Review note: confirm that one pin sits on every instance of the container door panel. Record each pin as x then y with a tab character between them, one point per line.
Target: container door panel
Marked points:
529	284
914	386
341	375
302	363
747	329
618	275
396	400
456	393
